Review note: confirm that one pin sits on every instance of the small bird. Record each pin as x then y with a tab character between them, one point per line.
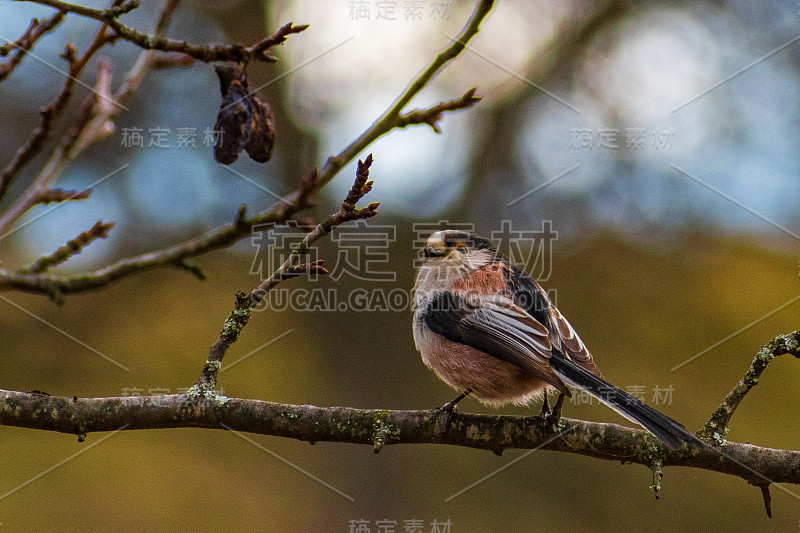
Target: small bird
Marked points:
487	328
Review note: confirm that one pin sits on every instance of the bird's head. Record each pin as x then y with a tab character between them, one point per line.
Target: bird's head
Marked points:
455	253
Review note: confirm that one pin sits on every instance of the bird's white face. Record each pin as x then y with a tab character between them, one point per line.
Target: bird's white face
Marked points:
449	256
454	249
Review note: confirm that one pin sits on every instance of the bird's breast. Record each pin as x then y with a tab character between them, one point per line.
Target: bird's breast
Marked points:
493	381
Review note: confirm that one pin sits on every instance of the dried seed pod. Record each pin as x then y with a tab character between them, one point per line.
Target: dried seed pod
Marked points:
262	131
244	122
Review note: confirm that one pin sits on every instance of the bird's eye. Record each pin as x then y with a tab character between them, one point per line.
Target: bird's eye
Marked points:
461	248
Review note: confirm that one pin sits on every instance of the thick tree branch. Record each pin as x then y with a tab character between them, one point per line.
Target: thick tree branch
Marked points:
201	407
378	427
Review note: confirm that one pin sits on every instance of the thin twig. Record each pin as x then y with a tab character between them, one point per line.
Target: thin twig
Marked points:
41	134
391	118
57	286
246	302
767	497
312	268
207	53
73	247
94	120
23	45
433	115
49	196
346	213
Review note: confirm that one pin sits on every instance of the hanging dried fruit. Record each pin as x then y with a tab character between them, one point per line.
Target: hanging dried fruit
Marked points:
244	122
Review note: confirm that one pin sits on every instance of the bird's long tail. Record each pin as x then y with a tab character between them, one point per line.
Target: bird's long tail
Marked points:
672	433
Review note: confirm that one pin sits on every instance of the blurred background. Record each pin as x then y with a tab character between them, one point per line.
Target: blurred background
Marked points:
641	160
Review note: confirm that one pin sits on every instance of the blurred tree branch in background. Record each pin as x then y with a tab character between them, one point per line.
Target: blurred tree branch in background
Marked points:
500	123
207	53
21	46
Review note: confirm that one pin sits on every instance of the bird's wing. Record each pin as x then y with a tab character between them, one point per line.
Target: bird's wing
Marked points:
529	295
570	343
496	326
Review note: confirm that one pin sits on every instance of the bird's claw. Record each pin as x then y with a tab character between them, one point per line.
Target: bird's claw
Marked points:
447	412
545	412
447	416
554	417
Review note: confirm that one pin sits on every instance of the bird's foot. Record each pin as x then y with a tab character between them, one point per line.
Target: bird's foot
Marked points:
447	412
545	413
554	417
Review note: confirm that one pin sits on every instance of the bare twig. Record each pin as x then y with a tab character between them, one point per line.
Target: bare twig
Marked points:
258	50
94	121
717	427
165	17
312	268
346	213
433	115
24	44
49	196
148	60
392	117
208	53
47	120
73	247
172	61
57	286
767	499
246	302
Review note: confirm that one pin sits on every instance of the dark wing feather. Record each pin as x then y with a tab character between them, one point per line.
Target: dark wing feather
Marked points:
497	327
529	295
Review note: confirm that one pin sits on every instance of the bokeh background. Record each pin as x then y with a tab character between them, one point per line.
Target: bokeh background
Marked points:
658	139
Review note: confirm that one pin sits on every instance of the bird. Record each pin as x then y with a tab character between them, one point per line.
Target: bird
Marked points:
488	329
